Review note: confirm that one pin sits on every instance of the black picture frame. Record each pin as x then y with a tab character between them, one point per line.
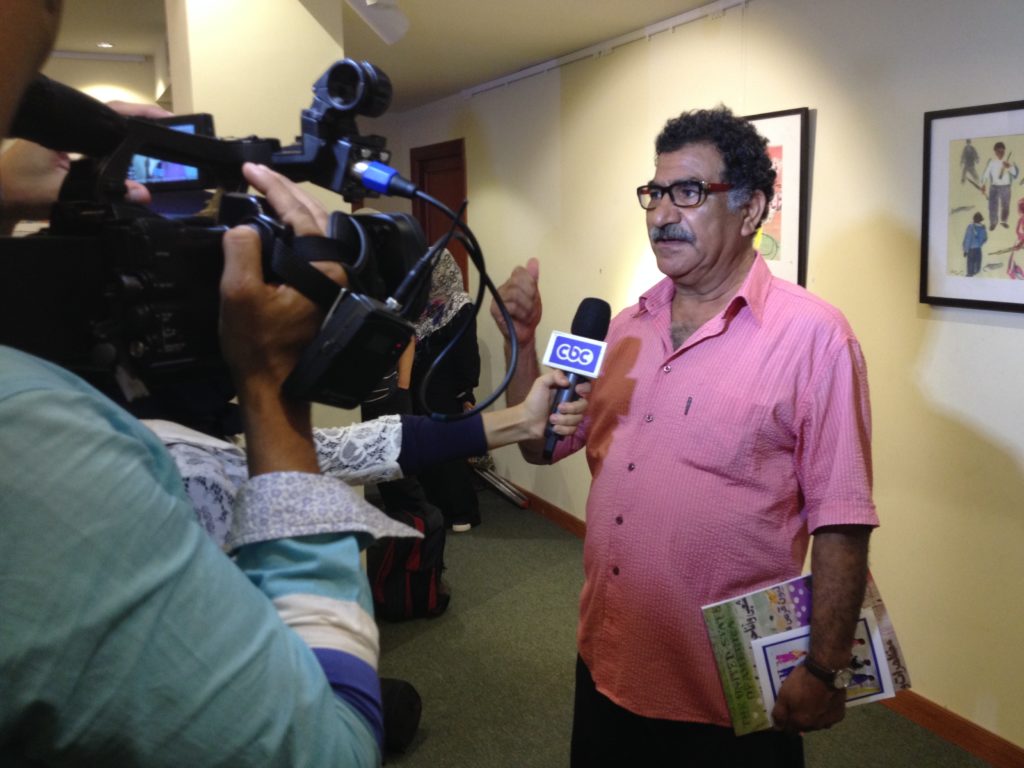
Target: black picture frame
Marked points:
955	194
788	134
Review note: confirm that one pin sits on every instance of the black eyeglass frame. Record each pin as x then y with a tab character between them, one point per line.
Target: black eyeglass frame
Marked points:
706	188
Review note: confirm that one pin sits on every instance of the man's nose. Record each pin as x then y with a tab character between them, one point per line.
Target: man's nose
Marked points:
664	212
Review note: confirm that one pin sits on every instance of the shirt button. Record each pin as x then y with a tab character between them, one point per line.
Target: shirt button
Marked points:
667	369
649	418
618	520
631	466
615	571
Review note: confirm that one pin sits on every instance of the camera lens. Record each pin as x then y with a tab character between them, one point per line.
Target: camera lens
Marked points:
358	87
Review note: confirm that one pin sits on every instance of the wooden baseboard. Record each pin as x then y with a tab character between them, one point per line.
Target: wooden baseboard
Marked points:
983	744
558	516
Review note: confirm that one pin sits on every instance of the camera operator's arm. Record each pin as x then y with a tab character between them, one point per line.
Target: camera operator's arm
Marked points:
264	329
296	533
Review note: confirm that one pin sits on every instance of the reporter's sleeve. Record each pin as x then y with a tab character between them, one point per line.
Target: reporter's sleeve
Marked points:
393	446
126	635
426	442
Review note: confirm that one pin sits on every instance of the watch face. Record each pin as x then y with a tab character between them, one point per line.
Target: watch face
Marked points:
843	679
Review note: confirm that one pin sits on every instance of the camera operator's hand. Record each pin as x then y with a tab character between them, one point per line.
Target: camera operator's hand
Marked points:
264	329
30	176
292	204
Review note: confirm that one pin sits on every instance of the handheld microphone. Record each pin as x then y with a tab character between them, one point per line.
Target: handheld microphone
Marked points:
580	354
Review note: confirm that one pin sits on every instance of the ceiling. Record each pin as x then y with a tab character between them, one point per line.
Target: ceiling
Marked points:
451	45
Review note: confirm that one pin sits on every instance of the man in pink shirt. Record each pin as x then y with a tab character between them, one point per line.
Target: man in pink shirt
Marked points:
730	424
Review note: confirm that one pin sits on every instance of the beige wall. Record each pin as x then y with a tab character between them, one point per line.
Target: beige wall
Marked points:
552	163
106	80
257	79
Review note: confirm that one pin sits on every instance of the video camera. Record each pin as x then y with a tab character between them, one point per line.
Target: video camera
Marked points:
123	292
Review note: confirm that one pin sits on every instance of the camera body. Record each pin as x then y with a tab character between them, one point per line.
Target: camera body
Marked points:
127	293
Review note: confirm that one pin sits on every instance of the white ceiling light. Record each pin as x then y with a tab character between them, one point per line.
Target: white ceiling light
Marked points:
384	17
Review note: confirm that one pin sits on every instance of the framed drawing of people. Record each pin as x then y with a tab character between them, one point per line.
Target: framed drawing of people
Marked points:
972	224
783	236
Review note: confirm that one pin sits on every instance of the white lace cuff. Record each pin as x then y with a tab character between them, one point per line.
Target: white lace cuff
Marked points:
284	505
361	453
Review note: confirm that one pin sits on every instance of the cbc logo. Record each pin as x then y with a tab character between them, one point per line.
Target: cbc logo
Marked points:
575	355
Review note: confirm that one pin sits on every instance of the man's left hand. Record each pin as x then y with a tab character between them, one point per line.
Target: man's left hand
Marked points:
806	703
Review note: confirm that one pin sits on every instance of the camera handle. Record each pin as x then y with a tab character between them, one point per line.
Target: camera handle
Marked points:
360	335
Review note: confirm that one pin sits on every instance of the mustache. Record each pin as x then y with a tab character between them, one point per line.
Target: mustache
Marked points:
671	232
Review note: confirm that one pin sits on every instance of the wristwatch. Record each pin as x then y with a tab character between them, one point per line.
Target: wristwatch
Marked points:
837	679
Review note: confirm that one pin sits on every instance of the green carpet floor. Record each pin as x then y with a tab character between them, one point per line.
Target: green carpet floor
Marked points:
495	671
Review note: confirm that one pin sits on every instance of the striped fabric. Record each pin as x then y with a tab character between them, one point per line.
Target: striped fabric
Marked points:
319	588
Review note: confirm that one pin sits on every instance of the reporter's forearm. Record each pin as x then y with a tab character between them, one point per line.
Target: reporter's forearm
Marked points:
278	431
509	425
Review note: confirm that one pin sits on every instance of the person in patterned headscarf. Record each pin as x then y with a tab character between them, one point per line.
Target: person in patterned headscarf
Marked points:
449	310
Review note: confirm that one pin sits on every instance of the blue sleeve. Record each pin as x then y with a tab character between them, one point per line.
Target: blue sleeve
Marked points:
426	442
319	589
126	635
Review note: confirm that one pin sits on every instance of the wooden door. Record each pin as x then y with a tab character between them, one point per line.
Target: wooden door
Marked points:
440	171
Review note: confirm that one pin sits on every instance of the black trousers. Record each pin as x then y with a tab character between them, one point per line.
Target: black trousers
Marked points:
604	735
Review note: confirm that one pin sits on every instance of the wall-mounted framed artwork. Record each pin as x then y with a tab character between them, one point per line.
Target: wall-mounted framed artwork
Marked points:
783	236
972	224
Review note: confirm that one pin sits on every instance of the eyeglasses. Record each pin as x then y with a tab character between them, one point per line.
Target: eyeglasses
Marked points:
683	194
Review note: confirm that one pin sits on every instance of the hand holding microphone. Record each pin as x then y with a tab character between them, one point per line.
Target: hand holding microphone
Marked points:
580	354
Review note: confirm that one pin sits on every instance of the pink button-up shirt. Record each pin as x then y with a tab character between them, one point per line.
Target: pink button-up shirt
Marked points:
711	464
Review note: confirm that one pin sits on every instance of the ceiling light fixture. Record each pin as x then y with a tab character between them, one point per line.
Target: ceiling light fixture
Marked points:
104	44
384	17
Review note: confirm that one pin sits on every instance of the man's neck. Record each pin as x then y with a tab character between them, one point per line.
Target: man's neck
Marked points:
694	306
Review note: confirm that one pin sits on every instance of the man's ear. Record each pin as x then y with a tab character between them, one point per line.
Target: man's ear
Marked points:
753	210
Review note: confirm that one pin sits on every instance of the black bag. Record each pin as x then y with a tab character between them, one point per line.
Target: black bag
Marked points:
402	707
405	574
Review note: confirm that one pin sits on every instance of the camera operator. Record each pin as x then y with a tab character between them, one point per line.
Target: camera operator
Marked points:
126	636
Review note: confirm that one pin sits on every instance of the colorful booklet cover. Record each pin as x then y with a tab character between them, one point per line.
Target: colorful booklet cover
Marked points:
760	637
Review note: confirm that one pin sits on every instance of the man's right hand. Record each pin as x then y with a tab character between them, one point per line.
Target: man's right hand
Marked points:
521	296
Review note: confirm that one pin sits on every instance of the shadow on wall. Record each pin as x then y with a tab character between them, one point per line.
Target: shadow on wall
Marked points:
950	495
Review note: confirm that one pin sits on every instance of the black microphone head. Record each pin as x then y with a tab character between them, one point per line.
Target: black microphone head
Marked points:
592	319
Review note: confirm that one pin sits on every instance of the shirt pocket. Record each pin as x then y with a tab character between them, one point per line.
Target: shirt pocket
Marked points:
724	435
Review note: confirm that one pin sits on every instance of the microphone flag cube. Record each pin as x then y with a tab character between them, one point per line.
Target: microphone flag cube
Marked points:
575	354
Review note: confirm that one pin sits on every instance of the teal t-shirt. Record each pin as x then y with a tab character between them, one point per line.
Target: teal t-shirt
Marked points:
126	636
